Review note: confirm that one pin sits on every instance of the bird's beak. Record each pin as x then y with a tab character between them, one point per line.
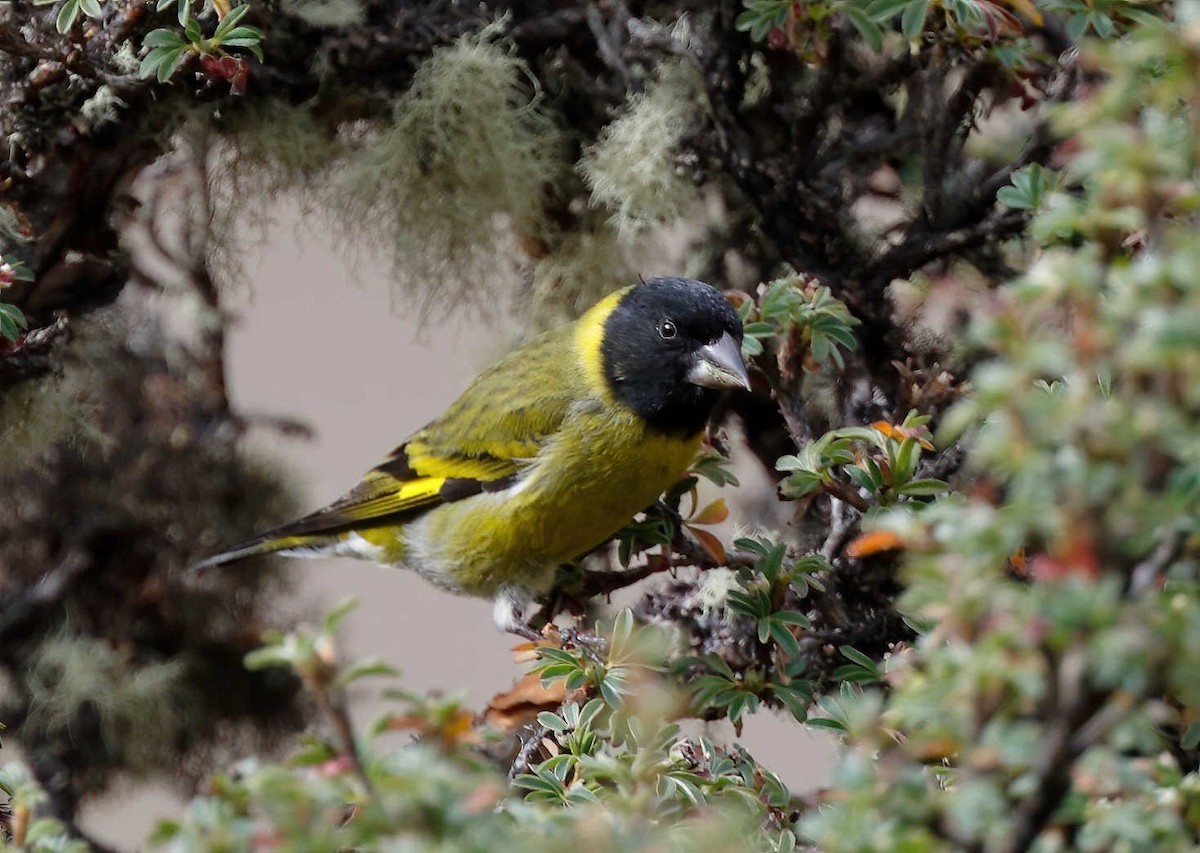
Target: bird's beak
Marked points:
719	365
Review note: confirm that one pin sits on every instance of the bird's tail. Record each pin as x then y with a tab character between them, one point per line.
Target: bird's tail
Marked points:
272	542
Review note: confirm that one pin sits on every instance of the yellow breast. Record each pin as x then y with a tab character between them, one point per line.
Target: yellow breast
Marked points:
600	470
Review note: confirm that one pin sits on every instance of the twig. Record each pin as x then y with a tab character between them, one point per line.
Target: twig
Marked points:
840	490
528	749
840	527
1146	573
1076	718
335	709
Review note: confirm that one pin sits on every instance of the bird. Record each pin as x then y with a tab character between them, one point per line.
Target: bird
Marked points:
544	457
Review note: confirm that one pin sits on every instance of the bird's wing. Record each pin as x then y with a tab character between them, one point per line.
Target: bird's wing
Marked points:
481	443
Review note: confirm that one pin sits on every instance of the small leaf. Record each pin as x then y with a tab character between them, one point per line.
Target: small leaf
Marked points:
335	616
874	543
827	723
230	20
67	13
553	722
714	513
885	10
867	28
923	488
163	37
785	639
366	669
913	22
791	617
711	545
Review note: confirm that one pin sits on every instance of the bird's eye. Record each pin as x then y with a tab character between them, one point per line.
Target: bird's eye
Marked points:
667	330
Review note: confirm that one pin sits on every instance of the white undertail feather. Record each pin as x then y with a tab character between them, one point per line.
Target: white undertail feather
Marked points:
510	609
355	545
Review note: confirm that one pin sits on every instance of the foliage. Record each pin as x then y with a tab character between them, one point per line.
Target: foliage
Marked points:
1050	700
620	775
882	460
12	319
69	10
803	313
169	49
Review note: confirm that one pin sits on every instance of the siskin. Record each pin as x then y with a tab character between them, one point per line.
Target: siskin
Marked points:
545	456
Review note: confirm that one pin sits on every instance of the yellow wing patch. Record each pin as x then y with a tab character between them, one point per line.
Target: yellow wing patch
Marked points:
383	495
423	462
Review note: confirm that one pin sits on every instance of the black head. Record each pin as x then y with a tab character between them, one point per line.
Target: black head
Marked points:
669	346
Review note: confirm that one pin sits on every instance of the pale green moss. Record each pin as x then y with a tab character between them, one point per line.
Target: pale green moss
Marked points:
468	160
278	146
327	14
101	108
40	413
139	709
634	169
758	82
584	266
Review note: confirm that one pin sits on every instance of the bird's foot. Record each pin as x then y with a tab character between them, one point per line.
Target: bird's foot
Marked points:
591	645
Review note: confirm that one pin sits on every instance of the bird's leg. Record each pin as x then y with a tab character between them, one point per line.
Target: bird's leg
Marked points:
525	632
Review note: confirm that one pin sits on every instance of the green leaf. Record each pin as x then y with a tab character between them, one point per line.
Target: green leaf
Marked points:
827	723
539	783
230	21
253	43
335	616
163	37
885	10
164	832
759	329
12	321
1191	737
912	24
791	617
552	721
68	12
784	638
923	488
795	696
622	630
867	28
366	669
906	460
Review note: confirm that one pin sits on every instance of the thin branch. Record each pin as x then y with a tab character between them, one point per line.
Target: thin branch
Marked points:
334	709
49	589
841	526
528	750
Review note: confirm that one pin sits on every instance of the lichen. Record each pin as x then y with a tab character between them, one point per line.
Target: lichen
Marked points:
101	108
139	709
326	14
466	162
445	188
584	266
634	170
